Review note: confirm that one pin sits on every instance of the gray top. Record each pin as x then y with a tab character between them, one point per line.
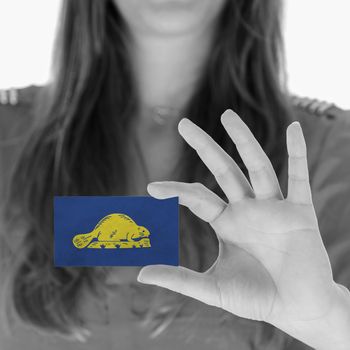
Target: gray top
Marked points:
198	326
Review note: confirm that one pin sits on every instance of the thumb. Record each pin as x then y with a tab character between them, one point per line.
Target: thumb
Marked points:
182	280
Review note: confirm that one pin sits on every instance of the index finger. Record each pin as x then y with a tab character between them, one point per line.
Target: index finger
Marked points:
227	173
261	172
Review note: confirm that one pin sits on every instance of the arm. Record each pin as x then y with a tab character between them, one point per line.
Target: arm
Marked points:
272	264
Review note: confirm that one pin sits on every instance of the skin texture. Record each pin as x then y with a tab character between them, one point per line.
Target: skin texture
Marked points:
272	265
167	52
169	17
170	41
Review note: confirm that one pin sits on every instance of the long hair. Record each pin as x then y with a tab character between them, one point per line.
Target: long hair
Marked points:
77	145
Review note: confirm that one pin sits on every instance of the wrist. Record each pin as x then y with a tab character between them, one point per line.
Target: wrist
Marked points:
334	329
339	321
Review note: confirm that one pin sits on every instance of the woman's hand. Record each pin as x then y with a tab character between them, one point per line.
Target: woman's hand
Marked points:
272	265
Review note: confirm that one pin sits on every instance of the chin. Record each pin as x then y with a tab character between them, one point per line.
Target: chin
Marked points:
169	17
172	16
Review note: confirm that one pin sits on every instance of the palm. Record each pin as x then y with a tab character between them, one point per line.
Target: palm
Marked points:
272	264
259	262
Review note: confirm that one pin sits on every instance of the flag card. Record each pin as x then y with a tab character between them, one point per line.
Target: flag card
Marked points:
115	231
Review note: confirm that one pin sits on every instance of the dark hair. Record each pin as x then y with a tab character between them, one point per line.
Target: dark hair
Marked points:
81	129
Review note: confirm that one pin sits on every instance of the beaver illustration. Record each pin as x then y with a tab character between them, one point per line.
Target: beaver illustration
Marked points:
114	228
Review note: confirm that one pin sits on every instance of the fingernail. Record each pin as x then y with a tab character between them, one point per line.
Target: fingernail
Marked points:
139	278
184	120
228	114
155	183
229	110
183	123
153	186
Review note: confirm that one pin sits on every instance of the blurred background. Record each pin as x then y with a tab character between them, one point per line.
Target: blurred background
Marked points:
316	37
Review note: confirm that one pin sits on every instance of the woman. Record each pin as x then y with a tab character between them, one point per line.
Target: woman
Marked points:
126	72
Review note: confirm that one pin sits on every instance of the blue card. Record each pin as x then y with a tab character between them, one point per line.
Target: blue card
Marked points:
115	231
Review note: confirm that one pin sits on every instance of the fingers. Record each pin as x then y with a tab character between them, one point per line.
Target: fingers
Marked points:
299	190
227	173
182	280
195	196
261	173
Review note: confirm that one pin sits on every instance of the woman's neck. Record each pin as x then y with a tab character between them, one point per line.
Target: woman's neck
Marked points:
167	68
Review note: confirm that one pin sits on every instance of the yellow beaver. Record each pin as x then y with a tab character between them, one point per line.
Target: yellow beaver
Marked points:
112	228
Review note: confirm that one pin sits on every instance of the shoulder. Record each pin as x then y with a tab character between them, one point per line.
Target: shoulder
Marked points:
327	136
319	115
319	108
326	129
330	182
17	109
19	97
325	125
17	112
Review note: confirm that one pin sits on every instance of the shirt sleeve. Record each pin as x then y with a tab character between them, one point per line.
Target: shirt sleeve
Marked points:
331	197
